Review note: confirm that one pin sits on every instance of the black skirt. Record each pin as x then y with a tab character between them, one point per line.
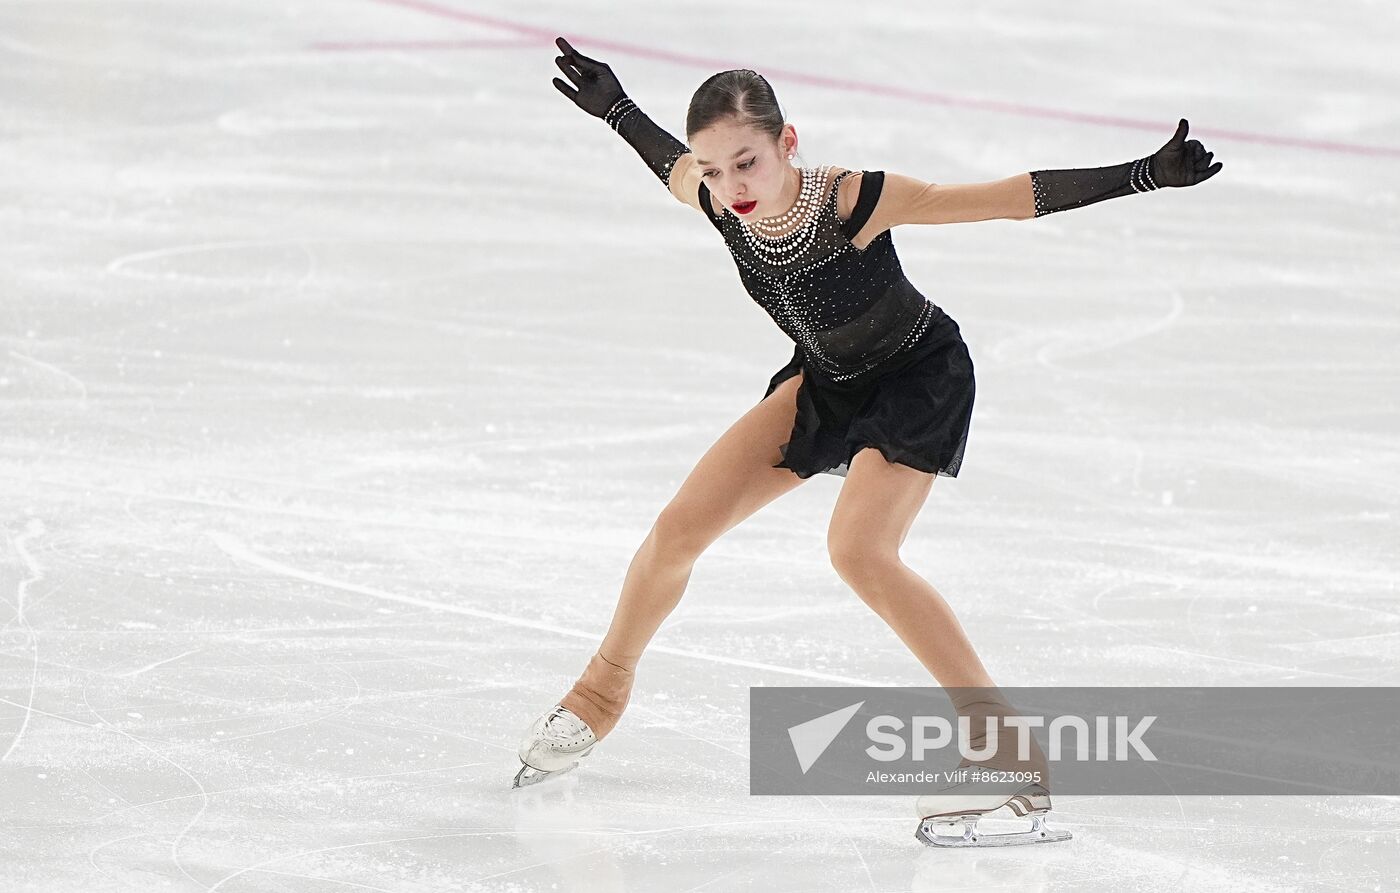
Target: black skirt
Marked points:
916	409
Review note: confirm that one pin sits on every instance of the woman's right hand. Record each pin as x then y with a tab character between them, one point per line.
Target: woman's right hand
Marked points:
598	88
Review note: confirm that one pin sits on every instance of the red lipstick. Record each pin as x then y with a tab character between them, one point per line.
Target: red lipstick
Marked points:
743	207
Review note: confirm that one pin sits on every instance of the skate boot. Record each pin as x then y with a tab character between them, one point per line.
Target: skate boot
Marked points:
568	732
553	745
956	809
948	817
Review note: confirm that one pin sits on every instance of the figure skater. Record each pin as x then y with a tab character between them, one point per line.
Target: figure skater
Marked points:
879	391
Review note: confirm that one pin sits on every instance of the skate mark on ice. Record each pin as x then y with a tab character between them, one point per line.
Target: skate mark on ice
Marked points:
159	663
530	535
262	786
34	528
92	853
203	794
234	548
1085	338
841	826
59	716
60	373
128	265
261	866
1138	636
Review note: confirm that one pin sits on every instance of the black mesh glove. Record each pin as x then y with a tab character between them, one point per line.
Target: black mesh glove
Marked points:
1178	163
600	94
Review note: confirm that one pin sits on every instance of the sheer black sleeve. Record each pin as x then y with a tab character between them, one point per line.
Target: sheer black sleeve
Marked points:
1063	189
658	148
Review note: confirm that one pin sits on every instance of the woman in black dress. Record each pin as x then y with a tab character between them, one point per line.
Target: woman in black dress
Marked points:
879	389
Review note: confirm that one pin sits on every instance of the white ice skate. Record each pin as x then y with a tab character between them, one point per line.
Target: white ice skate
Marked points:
553	745
958	807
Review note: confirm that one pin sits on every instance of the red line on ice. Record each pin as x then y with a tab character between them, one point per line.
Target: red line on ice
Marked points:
713	63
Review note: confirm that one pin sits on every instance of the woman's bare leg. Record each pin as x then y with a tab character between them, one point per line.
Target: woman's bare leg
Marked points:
874	512
731	481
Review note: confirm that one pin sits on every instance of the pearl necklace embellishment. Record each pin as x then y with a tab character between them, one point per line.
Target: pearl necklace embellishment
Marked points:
767	237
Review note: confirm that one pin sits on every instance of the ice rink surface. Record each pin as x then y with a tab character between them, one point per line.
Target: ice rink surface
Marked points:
346	364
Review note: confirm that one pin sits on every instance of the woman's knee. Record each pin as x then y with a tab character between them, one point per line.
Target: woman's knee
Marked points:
864	565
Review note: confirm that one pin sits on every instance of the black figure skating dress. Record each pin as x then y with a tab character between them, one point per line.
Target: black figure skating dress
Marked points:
882	365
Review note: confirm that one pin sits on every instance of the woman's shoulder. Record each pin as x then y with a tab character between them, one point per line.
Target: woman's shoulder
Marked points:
848	190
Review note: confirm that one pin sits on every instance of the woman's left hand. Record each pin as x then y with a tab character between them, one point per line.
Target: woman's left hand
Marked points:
1183	162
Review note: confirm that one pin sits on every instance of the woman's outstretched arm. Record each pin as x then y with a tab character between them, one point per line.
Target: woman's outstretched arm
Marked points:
1177	163
601	95
905	199
657	147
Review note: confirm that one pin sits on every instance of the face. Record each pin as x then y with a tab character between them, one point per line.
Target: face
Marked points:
742	165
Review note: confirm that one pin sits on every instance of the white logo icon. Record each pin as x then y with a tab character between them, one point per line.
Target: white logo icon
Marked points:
811	738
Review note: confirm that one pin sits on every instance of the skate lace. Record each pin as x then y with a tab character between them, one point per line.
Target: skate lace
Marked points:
563	724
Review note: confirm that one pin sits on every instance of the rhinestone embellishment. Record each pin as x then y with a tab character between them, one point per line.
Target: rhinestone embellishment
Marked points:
767	237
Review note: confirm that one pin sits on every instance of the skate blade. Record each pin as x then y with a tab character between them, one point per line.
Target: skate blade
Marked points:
969	836
529	775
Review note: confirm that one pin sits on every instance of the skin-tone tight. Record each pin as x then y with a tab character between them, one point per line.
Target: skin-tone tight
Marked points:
876	507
